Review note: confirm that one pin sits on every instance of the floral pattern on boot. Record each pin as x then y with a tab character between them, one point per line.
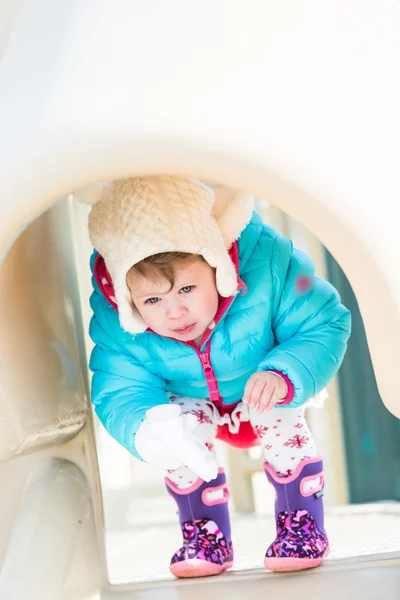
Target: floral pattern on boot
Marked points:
298	537
204	541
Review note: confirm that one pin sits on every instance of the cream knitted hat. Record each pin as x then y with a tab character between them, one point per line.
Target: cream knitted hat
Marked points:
132	219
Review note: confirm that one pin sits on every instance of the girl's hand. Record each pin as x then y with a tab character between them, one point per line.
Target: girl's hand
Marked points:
263	390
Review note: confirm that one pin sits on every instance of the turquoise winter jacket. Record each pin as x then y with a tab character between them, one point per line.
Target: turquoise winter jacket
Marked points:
289	320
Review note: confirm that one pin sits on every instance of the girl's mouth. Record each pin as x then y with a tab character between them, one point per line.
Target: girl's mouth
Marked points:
186	329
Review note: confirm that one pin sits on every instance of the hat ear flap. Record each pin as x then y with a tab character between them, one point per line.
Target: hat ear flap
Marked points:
226	278
232	211
92	194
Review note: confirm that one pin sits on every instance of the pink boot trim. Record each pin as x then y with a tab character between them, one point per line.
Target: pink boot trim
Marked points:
195	567
291	563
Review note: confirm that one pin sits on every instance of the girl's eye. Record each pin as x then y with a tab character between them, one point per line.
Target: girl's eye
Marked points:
152	301
187	289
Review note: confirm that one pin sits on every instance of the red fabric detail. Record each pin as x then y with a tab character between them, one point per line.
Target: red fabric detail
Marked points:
246	437
260	430
290	394
200	415
104	281
297	441
234	256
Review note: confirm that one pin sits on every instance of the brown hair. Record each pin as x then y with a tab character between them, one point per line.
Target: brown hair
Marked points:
162	266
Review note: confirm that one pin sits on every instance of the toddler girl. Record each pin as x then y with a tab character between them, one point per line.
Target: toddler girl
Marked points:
208	324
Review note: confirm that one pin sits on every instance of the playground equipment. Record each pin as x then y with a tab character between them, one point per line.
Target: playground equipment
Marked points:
296	101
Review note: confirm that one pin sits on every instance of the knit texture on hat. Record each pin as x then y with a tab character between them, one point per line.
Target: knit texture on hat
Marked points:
135	218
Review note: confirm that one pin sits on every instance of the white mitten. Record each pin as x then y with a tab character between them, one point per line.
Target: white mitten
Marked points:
176	432
153	450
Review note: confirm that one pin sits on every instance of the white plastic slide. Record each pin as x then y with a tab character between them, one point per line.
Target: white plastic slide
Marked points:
296	101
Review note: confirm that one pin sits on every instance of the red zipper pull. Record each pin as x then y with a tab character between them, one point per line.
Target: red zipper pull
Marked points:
210	378
206	362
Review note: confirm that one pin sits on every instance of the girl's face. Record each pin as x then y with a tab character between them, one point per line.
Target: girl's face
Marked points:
183	312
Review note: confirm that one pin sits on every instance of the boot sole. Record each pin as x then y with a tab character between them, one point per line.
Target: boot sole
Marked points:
291	563
195	567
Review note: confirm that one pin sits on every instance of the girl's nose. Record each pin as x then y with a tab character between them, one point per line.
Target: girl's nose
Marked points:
176	309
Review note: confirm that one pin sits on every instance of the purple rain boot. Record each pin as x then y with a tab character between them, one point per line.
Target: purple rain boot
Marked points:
301	541
204	519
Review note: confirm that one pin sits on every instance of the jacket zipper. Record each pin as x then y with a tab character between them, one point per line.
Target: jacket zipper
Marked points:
208	370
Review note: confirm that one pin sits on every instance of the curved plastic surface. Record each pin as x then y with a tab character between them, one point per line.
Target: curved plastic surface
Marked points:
296	101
